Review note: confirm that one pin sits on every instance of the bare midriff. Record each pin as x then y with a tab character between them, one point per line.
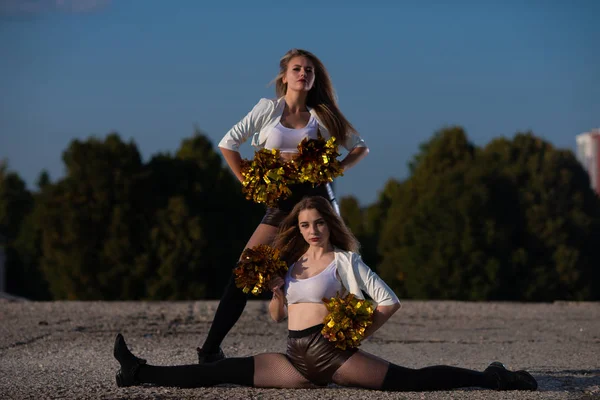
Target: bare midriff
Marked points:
305	315
288	156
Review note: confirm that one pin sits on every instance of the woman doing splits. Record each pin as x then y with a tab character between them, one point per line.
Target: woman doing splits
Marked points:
323	259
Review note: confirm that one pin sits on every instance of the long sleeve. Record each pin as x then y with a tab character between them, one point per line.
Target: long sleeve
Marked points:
248	126
352	141
372	284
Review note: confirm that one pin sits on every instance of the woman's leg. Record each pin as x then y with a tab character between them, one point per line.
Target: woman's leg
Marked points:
439	377
232	302
331	198
238	371
135	371
270	370
274	370
383	375
264	370
353	372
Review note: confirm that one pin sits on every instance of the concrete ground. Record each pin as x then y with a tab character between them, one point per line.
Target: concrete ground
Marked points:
63	350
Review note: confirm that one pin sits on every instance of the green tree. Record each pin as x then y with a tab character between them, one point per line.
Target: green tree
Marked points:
92	221
28	246
352	214
374	217
32	283
559	220
512	221
16	204
180	252
402	220
202	223
355	218
43	180
116	228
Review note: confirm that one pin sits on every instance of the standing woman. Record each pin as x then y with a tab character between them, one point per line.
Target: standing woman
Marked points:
305	106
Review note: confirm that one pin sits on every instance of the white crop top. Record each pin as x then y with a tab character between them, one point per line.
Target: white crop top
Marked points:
313	289
287	139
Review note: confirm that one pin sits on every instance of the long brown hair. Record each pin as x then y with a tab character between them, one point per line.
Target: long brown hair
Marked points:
292	245
321	96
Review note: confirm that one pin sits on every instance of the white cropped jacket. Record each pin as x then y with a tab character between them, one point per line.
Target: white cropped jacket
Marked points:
264	116
356	277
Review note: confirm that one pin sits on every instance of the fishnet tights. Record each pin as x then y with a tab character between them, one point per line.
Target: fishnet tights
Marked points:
362	370
274	370
383	375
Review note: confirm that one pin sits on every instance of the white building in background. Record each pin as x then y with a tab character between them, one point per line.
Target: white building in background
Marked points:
588	154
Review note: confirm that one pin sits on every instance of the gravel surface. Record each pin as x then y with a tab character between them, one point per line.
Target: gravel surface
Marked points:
63	350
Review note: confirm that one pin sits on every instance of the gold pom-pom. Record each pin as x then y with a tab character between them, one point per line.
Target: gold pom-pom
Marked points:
317	161
347	321
256	267
266	177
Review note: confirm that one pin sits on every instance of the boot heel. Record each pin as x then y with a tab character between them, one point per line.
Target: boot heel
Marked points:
130	364
119	379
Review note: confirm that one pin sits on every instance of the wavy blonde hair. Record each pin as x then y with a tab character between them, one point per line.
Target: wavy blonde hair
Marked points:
321	96
292	245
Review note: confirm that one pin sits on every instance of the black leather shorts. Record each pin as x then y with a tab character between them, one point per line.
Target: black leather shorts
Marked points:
274	216
315	357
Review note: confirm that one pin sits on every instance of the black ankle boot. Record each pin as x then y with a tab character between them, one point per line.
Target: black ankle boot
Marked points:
204	357
509	380
130	364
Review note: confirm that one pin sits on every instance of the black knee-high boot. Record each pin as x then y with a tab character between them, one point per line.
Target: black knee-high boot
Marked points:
230	309
135	371
239	371
434	378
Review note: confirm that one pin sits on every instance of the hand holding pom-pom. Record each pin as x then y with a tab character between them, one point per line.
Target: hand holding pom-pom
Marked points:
317	161
347	321
257	266
266	178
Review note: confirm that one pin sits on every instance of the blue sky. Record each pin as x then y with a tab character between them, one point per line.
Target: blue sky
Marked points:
152	70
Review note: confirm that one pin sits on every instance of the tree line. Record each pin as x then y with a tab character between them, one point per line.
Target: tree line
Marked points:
513	220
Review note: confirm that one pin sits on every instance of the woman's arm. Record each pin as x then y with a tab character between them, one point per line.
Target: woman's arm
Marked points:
234	160
250	124
240	132
380	316
369	282
353	157
277	308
